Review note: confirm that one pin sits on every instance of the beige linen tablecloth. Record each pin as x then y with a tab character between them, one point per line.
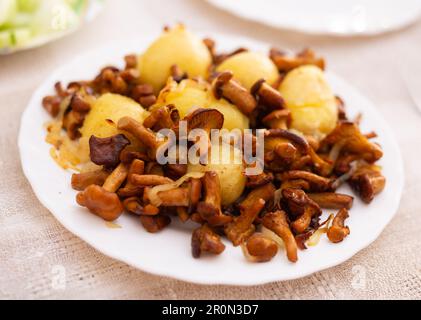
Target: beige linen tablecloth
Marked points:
42	260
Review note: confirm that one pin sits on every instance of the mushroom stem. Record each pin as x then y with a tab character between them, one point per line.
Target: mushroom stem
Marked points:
116	178
137	167
367	181
195	188
259	248
210	208
82	180
316	182
242	227
268	95
331	200
148	180
178	197
278	223
301	207
133	205
144	135
225	86
338	231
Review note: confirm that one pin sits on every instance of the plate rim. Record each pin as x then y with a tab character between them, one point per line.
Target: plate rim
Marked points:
192	278
317	32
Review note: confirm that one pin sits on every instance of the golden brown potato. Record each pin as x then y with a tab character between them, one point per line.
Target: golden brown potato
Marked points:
248	67
311	101
176	46
233	117
110	107
230	170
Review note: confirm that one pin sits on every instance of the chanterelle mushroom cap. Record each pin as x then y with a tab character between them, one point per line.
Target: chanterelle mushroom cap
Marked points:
225	86
297	200
295	139
268	95
260	248
99	201
278	119
106	151
367	181
204	239
301	206
220	80
206	119
353	141
286	62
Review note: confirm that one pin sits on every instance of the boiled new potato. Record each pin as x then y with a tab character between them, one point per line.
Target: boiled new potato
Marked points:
186	96
311	101
110	107
233	117
189	95
175	46
248	67
228	164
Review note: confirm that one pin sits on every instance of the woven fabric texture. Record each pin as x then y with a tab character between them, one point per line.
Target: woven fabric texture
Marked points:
35	249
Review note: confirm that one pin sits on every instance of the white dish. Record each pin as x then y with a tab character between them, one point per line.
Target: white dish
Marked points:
342	18
168	253
92	10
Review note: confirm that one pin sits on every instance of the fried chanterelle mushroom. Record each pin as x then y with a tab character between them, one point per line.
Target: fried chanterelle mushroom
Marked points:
114	131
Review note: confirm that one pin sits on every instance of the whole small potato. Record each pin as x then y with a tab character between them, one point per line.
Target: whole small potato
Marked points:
311	101
110	107
228	164
233	117
175	46
248	67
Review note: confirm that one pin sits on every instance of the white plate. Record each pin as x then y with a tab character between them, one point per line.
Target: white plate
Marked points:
168	252
92	10
335	17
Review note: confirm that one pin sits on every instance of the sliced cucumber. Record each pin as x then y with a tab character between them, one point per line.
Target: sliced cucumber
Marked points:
20	20
28	5
5	39
77	5
21	36
8	9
